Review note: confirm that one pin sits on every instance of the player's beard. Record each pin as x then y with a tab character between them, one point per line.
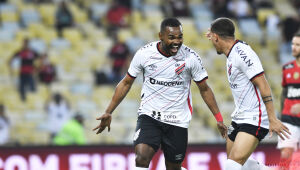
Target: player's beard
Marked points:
297	56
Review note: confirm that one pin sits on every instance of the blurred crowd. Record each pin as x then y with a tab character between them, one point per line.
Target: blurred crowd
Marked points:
61	58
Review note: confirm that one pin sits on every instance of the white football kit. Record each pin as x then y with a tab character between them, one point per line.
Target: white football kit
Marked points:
243	65
165	95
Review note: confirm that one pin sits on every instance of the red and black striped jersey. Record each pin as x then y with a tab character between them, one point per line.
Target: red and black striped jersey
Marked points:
291	81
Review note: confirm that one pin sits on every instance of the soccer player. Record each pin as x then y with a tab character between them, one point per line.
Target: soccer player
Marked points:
290	102
168	66
254	115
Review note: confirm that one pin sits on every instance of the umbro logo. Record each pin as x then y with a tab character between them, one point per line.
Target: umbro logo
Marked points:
152	67
178	157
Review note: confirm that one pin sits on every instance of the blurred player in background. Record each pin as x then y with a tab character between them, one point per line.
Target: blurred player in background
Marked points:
254	114
27	57
168	66
290	102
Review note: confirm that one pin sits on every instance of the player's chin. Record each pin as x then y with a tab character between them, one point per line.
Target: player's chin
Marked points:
173	53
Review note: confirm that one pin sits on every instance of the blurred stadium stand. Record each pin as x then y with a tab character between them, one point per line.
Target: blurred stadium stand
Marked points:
84	48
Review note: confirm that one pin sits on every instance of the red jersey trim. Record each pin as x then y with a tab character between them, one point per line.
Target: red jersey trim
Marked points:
189	104
260	113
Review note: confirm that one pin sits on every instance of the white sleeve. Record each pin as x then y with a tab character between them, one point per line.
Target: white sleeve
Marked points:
250	64
197	70
135	66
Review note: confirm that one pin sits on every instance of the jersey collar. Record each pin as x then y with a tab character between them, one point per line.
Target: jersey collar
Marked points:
236	41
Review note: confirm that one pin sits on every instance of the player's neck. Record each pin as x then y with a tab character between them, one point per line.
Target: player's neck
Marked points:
228	46
163	50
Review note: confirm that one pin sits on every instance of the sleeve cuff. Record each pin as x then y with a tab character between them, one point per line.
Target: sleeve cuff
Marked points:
257	75
204	79
130	75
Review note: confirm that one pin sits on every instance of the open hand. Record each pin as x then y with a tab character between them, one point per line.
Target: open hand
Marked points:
278	127
105	121
208	34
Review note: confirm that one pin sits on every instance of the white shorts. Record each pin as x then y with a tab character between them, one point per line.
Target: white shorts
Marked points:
293	141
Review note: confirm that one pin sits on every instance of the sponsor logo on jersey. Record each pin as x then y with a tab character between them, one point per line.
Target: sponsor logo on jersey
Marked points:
244	56
178	58
156	115
293	92
180	68
287	66
170	118
296	75
166	83
155	58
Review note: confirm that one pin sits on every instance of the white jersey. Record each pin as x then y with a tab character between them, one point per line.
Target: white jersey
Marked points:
243	65
58	115
165	95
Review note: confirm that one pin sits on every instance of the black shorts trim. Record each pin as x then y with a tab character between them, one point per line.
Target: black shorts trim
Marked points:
258	132
171	139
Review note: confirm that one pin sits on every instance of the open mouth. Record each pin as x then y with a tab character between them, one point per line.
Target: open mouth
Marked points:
174	49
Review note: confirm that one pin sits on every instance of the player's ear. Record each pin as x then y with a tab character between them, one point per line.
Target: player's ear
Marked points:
160	35
216	37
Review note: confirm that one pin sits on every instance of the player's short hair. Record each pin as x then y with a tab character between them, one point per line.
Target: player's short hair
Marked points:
297	34
224	27
169	22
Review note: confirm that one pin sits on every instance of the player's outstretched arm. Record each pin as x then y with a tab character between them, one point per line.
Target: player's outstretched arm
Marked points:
275	125
120	92
209	98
